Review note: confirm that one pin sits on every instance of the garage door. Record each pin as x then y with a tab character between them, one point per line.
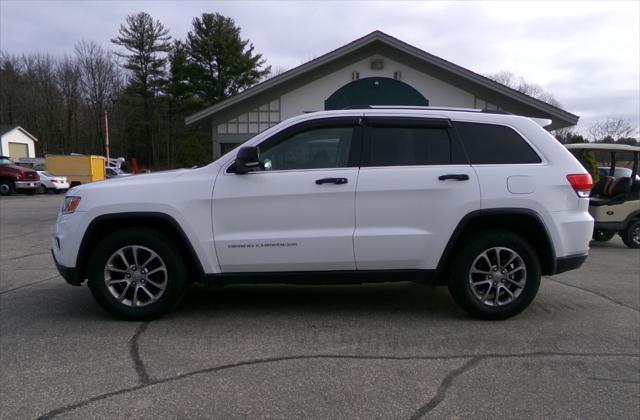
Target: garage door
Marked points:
18	150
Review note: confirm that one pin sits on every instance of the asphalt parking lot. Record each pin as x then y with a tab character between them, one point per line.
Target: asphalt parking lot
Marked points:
397	351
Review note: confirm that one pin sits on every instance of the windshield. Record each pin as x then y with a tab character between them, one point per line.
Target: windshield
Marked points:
618	172
5	161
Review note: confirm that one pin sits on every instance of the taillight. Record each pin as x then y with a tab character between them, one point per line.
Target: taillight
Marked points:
55	181
581	184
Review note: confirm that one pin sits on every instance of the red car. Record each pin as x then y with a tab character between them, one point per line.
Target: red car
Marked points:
15	178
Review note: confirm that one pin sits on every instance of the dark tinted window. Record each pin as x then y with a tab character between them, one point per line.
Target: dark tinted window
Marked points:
402	146
314	148
494	144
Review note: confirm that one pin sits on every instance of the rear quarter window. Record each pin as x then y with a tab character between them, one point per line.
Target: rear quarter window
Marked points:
494	144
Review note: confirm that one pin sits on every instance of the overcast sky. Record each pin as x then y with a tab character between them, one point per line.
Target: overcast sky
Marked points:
587	54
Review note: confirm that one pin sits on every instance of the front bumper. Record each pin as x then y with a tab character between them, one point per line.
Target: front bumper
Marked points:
70	274
610	226
27	185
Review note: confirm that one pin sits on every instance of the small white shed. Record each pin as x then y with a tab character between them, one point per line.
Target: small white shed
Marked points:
17	142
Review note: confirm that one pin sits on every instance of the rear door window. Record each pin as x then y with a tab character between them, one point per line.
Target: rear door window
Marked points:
488	144
407	143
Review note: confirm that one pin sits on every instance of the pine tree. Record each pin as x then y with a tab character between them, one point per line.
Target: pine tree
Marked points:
221	62
146	42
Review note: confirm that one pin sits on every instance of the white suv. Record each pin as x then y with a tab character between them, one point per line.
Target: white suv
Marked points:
485	203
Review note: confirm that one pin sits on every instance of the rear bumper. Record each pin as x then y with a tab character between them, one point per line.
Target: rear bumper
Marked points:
570	262
70	274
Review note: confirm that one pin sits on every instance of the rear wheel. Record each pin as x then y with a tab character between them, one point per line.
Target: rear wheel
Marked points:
602	235
631	235
137	274
495	275
42	189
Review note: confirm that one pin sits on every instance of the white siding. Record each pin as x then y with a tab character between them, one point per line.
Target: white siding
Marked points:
16	136
311	97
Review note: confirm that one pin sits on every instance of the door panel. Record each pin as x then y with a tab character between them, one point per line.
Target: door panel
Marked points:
297	212
413	189
284	221
406	215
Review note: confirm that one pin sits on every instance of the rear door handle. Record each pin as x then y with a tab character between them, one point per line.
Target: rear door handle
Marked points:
457	177
332	181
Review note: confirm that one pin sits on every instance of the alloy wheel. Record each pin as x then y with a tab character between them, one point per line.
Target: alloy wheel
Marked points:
497	276
135	275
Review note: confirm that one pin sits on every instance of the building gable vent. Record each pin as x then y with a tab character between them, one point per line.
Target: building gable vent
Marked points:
377	64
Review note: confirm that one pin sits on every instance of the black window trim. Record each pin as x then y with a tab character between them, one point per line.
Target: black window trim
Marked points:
410	122
543	160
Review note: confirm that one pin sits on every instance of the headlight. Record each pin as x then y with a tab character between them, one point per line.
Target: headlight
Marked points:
70	204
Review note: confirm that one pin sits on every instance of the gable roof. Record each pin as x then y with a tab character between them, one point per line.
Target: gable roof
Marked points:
378	36
4	129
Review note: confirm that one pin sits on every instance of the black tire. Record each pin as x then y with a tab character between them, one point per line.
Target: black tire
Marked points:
600	235
174	280
42	189
461	276
6	187
631	235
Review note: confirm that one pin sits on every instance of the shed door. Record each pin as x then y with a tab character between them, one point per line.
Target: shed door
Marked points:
18	150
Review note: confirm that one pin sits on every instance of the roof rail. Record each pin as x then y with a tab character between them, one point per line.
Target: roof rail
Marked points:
429	108
426	108
496	111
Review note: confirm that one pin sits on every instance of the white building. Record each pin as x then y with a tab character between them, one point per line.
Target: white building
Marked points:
376	69
17	142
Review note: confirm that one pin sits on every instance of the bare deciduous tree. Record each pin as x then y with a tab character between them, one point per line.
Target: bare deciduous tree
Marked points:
534	90
69	85
100	83
611	129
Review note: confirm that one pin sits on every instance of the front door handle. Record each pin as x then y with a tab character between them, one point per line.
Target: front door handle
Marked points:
332	181
457	177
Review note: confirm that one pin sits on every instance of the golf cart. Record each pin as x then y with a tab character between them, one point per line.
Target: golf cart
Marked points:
615	201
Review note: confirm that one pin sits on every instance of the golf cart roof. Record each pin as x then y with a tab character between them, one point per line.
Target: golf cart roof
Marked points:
603	146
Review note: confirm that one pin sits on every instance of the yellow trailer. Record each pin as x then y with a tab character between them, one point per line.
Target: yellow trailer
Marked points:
79	169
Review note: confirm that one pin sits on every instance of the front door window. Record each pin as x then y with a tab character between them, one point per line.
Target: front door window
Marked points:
312	149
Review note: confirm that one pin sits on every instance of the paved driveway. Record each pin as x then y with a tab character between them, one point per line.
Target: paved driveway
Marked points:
380	351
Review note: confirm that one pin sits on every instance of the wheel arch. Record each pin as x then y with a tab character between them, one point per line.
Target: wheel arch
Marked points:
523	222
635	215
164	223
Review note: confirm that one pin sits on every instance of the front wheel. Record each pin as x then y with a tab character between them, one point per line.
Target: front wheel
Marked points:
495	275
631	235
137	274
6	187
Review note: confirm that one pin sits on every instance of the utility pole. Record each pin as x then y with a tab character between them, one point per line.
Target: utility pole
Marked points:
106	134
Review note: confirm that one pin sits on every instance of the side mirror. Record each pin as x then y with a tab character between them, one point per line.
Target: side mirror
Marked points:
247	159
